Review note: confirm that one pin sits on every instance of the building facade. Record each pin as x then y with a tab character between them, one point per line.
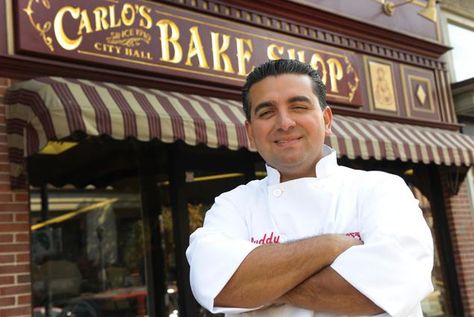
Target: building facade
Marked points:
121	121
457	21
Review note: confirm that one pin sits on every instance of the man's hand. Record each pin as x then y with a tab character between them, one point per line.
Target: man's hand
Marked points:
272	270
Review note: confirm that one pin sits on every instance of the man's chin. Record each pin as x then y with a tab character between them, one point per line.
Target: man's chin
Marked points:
289	166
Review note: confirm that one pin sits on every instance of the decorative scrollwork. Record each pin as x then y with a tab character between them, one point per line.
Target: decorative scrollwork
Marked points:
42	29
352	86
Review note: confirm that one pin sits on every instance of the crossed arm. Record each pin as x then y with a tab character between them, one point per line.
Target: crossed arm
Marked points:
397	244
296	273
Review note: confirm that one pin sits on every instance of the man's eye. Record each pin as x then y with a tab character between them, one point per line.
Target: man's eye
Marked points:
300	107
263	114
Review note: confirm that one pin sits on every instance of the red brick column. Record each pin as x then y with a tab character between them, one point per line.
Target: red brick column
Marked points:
15	285
460	217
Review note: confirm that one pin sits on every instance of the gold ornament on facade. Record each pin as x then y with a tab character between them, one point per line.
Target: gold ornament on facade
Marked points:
421	94
352	86
42	29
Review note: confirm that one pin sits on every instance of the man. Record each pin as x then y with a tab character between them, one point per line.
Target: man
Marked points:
312	238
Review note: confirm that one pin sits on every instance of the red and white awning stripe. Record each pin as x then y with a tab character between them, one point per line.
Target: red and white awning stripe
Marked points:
364	138
53	108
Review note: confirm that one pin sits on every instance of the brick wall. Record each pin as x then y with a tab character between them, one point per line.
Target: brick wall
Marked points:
15	285
461	226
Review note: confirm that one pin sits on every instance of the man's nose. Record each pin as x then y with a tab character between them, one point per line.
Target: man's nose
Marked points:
285	121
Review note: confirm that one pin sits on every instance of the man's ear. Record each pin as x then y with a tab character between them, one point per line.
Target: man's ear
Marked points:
248	127
327	115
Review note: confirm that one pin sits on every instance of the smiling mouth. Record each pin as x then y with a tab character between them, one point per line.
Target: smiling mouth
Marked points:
287	141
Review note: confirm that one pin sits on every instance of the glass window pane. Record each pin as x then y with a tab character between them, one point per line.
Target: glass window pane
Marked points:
461	40
437	302
88	255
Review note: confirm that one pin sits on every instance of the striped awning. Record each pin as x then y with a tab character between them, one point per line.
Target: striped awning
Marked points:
365	138
52	109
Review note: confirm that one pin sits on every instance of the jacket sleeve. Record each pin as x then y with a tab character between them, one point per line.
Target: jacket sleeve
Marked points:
393	266
216	251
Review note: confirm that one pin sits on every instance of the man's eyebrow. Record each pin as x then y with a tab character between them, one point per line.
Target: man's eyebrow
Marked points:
299	99
265	104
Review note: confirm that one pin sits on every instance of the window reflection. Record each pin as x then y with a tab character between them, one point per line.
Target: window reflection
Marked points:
88	254
436	303
196	217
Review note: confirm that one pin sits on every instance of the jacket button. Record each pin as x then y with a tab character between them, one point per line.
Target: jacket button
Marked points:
277	192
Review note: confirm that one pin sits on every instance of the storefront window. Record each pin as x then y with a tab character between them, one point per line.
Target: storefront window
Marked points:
436	303
201	190
88	254
196	216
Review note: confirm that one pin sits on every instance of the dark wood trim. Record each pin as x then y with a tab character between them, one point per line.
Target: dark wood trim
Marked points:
151	208
23	68
187	304
444	113
220	160
438	207
322	26
449	96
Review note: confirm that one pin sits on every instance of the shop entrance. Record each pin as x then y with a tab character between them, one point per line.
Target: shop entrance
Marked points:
111	222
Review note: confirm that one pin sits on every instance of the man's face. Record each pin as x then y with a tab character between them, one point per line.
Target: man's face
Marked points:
287	125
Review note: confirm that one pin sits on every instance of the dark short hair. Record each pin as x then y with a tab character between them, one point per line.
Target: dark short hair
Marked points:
280	67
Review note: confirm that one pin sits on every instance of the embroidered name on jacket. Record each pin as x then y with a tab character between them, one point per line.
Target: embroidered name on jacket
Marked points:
274	238
355	235
266	239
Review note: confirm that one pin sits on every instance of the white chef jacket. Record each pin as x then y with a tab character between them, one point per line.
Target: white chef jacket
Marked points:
392	268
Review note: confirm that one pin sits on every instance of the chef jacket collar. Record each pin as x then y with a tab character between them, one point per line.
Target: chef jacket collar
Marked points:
324	167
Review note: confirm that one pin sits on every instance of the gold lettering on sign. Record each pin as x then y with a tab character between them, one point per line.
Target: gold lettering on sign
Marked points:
146	21
85	23
128	14
243	55
107	48
138	54
129	37
292	55
271	54
167	39
316	61
101	22
123	35
218	52
63	40
196	49
335	73
113	19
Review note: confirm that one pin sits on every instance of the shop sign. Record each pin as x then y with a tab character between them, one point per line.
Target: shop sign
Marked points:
143	36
